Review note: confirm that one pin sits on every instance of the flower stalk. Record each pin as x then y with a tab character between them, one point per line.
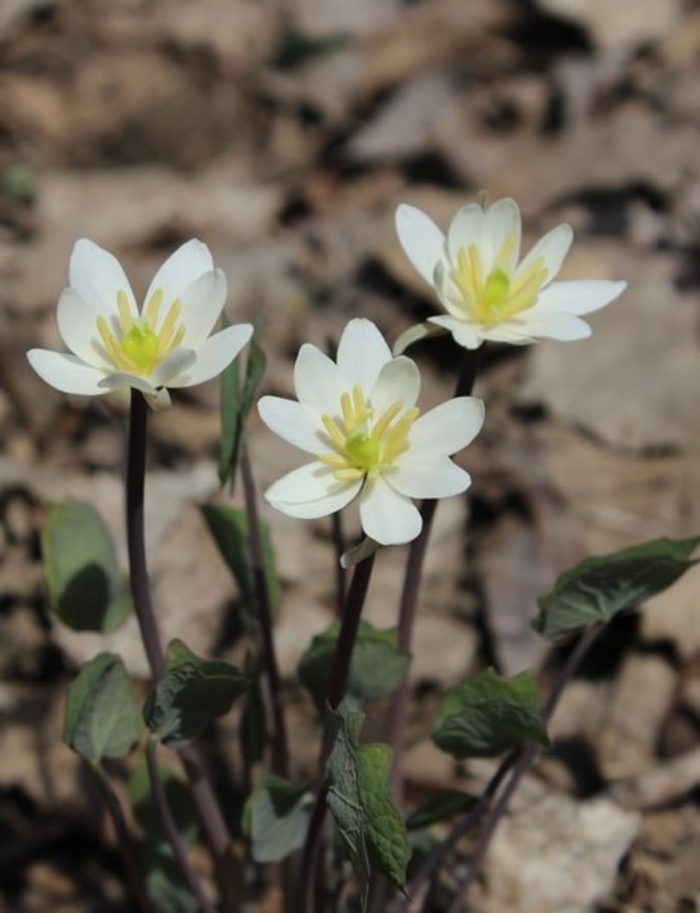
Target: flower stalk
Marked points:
203	797
280	746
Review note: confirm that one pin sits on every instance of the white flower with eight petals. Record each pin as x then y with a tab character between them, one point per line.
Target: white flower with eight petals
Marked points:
166	344
359	420
487	293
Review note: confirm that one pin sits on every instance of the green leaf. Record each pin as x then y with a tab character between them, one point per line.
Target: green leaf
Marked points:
189	694
385	834
236	403
359	799
253	729
87	589
102	718
166	885
489	715
597	589
442	806
276	818
229	528
377	668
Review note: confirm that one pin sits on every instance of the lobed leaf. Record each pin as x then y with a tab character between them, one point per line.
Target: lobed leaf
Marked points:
489	715
102	718
359	799
87	589
276	818
598	588
377	668
189	694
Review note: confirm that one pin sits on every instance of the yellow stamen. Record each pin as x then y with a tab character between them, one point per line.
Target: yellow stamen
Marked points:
383	423
364	448
138	348
124	311
333	430
153	307
490	299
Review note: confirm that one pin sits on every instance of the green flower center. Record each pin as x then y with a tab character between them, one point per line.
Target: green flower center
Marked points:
362	446
141	343
496	296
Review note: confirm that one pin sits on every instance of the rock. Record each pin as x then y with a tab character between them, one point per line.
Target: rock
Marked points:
554	854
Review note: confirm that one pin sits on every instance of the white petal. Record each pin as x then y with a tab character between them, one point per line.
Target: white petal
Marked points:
465	334
294	423
437	477
556	325
450	297
214	355
501	220
447	428
159	400
398	380
421	239
466	228
122	380
317	381
172	365
362	353
77	324
66	372
202	303
514	332
181	269
387	516
97	276
311	491
579	297
553	247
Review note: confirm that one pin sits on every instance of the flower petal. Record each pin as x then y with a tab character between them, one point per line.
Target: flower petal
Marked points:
465	334
467	227
502	219
447	428
513	332
317	381
97	276
77	324
556	325
311	491
214	355
553	247
399	379
362	353
122	380
421	239
172	365
182	268
387	516
66	372
293	422
202	303
436	477
579	297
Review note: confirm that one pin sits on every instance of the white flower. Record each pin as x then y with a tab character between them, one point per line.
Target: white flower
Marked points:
486	292
115	345
359	420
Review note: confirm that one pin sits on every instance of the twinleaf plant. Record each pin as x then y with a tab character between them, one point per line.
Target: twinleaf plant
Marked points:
340	836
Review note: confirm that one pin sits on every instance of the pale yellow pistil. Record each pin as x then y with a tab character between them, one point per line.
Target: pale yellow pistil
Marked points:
363	447
139	348
491	298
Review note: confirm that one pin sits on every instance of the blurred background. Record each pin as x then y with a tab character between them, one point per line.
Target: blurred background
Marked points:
283	133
